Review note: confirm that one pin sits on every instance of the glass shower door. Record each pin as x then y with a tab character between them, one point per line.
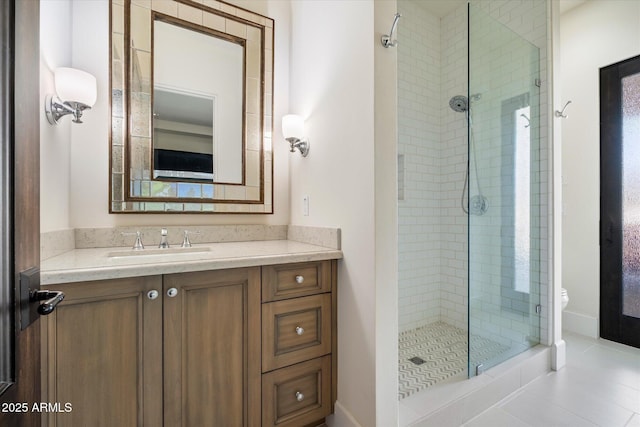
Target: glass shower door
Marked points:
504	193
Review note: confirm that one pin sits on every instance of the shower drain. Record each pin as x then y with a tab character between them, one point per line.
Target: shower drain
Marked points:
417	360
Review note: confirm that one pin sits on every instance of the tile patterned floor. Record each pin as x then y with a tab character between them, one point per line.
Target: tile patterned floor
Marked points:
599	386
444	349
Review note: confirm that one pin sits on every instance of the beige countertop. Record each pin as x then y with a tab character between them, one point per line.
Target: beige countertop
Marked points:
81	265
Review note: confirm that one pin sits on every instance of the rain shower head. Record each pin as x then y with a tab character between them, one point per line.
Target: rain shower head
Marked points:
459	103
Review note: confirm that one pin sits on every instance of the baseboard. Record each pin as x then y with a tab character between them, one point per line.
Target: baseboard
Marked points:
580	324
341	418
558	355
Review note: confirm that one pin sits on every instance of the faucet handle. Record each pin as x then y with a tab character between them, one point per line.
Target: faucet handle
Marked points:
186	243
163	232
137	246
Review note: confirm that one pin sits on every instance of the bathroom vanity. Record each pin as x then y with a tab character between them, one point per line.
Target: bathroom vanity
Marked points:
238	334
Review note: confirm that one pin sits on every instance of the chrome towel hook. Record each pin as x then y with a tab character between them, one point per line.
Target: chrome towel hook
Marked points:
387	39
561	113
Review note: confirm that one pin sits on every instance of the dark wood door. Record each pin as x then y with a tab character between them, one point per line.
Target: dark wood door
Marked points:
620	202
20	133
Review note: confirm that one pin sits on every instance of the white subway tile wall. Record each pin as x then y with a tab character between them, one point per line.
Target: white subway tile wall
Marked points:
419	113
433	231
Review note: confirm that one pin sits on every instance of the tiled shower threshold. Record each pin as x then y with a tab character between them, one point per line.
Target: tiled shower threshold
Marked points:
452	403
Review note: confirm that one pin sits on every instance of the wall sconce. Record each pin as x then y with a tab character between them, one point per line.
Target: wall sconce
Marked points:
293	131
76	91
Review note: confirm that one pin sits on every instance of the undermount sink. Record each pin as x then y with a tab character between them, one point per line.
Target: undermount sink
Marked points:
158	252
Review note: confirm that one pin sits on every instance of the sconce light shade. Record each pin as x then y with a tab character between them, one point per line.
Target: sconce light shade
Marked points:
75	85
293	131
76	91
292	126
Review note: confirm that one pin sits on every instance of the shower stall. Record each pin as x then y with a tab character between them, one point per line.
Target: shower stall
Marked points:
472	188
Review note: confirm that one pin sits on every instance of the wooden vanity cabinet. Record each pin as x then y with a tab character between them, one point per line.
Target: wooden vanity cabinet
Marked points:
299	343
212	348
102	353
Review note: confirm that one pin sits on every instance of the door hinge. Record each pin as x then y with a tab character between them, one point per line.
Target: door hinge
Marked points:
538	309
538	82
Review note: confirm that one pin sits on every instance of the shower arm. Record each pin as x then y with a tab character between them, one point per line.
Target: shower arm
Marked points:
386	39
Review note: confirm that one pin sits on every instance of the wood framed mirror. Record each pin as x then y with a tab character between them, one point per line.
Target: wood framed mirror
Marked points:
191	108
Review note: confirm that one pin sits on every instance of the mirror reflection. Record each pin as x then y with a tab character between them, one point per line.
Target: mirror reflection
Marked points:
191	108
198	98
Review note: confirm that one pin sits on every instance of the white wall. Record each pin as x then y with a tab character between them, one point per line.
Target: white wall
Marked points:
332	87
386	219
55	141
593	35
75	190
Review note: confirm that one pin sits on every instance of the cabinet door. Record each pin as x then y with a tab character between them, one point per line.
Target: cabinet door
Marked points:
97	342
212	348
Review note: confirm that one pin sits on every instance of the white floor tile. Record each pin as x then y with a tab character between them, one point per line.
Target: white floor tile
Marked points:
577	344
496	417
613	365
539	412
595	388
581	402
634	422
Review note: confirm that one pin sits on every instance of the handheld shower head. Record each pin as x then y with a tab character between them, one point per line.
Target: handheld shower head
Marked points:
459	103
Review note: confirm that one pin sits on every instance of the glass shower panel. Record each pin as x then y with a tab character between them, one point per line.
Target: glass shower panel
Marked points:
504	197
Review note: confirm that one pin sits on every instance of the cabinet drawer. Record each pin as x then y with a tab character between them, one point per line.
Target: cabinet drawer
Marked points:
295	330
297	395
295	280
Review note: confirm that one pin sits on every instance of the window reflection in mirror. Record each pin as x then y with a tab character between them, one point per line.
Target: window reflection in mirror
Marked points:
198	97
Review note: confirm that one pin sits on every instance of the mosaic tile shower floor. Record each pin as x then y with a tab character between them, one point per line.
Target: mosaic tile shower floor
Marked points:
444	350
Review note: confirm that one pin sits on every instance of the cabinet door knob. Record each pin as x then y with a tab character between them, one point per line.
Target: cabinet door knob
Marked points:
299	279
172	292
299	330
152	294
299	396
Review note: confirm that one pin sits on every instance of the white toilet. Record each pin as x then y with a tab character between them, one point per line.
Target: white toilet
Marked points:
565	298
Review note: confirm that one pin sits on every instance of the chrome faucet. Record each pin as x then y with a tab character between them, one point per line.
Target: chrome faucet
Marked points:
137	246
163	239
186	243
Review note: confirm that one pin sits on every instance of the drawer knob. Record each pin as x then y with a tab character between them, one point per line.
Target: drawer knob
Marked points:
299	330
153	294
299	396
299	279
172	292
